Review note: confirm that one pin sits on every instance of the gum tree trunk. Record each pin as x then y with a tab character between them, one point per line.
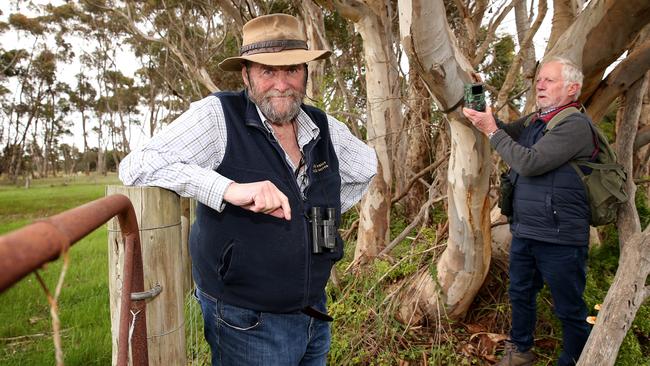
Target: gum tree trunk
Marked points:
461	270
372	19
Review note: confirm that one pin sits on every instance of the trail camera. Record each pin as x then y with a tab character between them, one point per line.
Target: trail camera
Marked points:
475	97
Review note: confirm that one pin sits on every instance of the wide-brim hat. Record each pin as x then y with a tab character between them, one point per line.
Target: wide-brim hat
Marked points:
275	40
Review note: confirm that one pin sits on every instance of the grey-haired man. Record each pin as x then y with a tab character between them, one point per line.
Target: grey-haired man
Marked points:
550	223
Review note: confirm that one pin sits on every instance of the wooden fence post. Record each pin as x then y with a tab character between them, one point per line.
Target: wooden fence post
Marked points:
159	219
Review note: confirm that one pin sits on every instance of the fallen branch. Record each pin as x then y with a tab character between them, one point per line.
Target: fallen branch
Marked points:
413	224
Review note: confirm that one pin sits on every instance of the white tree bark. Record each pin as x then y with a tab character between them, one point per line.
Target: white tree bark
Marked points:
372	20
624	74
564	14
462	268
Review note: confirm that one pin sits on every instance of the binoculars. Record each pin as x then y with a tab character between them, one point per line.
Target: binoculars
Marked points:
323	228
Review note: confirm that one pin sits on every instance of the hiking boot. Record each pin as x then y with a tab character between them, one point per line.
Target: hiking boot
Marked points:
512	357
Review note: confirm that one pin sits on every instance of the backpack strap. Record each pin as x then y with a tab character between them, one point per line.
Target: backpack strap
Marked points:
529	119
595	135
560	116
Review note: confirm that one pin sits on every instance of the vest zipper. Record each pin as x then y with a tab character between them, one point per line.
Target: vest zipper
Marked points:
302	198
308	246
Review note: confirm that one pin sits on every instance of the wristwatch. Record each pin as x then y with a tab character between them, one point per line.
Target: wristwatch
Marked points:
492	134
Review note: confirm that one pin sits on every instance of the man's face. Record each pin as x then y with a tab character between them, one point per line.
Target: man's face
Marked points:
277	90
551	91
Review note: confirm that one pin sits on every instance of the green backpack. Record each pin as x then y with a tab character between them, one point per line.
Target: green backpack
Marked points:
605	185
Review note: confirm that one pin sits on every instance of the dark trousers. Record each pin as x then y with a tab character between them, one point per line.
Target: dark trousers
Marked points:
563	268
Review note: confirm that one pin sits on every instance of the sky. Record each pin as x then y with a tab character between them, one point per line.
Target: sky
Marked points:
127	63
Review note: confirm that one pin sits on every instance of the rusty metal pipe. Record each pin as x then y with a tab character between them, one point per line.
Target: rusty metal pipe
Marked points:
27	249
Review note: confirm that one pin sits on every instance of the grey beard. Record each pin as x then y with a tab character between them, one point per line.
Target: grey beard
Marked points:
271	114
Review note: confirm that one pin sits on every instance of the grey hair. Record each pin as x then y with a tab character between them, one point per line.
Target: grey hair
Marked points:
571	72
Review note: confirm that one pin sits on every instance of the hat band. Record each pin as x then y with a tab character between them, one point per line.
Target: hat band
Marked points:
272	46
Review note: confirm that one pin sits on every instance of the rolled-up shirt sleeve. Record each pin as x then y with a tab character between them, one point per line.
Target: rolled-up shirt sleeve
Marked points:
182	157
357	163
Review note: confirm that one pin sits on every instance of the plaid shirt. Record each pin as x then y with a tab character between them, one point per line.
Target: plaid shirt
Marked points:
184	156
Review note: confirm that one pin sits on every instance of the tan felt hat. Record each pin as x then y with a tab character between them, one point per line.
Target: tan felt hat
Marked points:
275	40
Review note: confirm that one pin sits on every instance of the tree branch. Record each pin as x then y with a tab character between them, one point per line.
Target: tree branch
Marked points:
491	32
620	79
513	71
199	73
416	221
420	174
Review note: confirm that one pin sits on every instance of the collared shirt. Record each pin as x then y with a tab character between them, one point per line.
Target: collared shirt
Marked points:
305	132
184	156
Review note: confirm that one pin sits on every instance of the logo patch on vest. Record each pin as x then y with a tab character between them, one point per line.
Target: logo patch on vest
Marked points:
319	167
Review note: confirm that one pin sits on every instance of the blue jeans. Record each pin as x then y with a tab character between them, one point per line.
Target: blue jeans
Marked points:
563	268
239	336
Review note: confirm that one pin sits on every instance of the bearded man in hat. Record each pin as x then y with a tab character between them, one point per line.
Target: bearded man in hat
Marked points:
271	177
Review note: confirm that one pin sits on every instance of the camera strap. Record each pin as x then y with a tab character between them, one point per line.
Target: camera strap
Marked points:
453	107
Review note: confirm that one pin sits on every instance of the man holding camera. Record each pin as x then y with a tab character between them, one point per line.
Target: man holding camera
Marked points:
272	177
550	220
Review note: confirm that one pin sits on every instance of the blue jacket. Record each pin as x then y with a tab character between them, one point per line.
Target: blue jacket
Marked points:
550	207
258	261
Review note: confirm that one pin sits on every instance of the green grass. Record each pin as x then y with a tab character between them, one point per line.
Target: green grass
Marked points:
25	330
365	331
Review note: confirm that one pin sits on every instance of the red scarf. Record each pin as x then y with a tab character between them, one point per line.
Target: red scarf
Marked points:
545	117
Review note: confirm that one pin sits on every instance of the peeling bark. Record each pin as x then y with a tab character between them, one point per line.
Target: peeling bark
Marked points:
462	268
414	150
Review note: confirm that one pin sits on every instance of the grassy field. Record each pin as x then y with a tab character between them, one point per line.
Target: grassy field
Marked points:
365	332
25	330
